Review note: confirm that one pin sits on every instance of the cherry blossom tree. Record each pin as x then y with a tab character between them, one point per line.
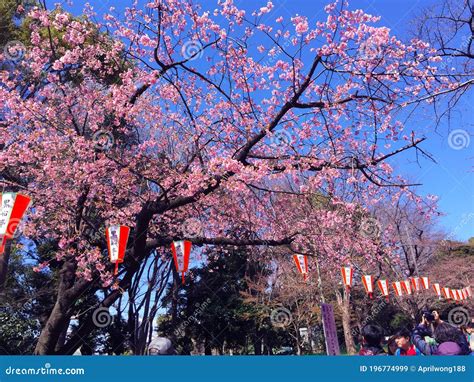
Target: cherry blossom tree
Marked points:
184	123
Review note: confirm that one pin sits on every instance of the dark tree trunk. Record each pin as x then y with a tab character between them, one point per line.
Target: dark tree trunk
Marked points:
207	347
58	320
52	331
4	259
257	342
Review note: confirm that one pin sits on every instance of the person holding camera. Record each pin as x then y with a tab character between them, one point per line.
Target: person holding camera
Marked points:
449	339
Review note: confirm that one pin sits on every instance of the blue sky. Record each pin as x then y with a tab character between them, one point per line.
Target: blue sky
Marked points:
451	178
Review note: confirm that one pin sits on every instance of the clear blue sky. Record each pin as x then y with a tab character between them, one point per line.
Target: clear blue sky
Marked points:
452	177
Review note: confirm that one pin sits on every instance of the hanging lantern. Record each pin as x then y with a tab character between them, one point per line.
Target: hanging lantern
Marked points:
425	281
368	285
12	208
302	264
347	273
437	289
447	293
406	285
416	284
468	291
383	286
117	238
454	294
181	250
397	286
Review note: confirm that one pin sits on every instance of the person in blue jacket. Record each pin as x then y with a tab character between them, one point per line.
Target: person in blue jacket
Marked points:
449	339
404	345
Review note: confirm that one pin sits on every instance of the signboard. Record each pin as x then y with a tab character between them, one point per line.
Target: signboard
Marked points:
330	331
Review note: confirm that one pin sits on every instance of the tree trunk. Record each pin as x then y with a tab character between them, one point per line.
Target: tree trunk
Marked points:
344	304
58	320
62	337
4	258
257	343
52	331
207	347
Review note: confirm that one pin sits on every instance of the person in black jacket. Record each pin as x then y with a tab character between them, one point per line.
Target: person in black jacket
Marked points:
450	340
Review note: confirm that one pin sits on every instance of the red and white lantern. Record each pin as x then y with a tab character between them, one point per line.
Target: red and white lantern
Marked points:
416	284
181	250
468	291
383	286
397	286
12	208
368	282
406	285
117	238
454	294
447	293
347	274
437	289
425	281
302	264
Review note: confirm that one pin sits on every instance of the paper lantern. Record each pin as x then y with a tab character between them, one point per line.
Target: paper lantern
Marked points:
301	262
117	238
416	284
406	285
447	293
181	250
12	208
437	289
397	286
425	281
347	273
368	282
454	294
468	291
383	286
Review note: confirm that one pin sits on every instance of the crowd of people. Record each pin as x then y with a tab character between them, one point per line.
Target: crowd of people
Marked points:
432	336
